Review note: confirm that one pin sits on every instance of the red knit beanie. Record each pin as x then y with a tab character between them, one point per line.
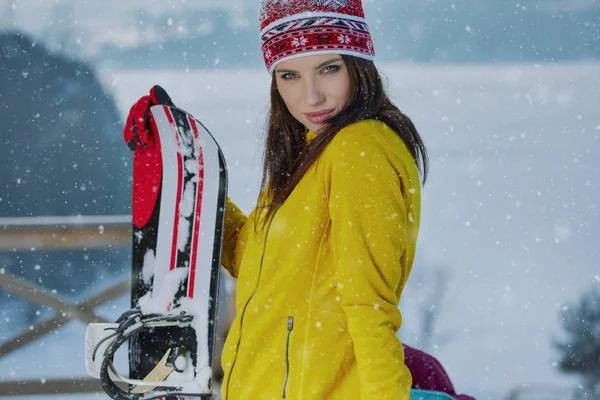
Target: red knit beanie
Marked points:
295	28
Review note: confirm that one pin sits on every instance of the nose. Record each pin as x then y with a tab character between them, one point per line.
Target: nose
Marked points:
312	93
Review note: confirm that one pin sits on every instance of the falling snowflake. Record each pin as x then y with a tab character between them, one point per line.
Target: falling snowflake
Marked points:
345	39
301	41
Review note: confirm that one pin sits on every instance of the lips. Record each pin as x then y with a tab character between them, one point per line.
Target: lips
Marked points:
320	116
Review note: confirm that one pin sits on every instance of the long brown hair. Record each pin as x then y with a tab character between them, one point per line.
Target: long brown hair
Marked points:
287	156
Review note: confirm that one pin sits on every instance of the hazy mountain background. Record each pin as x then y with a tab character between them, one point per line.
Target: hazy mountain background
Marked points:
209	33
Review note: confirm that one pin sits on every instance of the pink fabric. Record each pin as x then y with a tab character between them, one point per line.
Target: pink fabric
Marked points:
428	373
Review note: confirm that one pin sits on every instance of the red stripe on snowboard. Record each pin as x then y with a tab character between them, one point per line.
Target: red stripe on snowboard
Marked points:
199	190
179	190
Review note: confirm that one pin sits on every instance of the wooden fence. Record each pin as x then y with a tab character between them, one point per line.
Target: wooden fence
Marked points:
58	233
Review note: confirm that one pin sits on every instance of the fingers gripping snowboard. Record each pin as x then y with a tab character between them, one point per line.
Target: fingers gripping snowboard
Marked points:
179	193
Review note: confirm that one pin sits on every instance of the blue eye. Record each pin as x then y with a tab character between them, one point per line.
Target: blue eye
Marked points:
331	68
287	76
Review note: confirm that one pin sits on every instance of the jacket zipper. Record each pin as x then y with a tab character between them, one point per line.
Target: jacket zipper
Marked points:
290	326
262	257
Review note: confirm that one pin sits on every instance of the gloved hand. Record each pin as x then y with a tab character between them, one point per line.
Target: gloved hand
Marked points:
139	125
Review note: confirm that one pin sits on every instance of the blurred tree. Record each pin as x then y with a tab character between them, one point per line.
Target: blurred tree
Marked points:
580	351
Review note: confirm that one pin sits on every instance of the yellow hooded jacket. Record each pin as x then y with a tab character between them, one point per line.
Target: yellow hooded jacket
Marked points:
318	290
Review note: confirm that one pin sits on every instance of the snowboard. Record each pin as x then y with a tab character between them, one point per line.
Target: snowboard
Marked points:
178	205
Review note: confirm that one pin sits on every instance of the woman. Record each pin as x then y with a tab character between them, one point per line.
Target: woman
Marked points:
322	261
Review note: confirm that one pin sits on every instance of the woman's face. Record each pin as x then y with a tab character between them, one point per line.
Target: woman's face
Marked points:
314	88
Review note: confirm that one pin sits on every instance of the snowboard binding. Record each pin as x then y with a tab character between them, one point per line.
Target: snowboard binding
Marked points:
103	341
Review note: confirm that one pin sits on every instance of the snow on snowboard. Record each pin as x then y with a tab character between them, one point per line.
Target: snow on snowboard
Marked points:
179	193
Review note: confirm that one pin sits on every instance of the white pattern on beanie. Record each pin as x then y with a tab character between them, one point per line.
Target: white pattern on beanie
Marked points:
296	28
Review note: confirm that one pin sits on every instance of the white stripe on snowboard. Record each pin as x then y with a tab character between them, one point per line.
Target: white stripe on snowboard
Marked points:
169	195
197	302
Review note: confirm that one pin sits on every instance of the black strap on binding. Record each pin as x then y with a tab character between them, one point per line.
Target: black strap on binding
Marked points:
130	324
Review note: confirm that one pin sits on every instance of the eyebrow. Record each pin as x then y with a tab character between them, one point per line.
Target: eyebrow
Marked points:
332	60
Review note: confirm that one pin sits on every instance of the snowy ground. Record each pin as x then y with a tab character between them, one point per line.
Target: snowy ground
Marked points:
510	210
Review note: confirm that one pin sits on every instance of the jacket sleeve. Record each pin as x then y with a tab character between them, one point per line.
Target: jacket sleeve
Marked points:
233	223
368	223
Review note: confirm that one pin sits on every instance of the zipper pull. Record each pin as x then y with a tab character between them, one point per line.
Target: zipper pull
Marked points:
290	325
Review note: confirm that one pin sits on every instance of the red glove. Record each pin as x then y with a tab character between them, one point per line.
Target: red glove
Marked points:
140	122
